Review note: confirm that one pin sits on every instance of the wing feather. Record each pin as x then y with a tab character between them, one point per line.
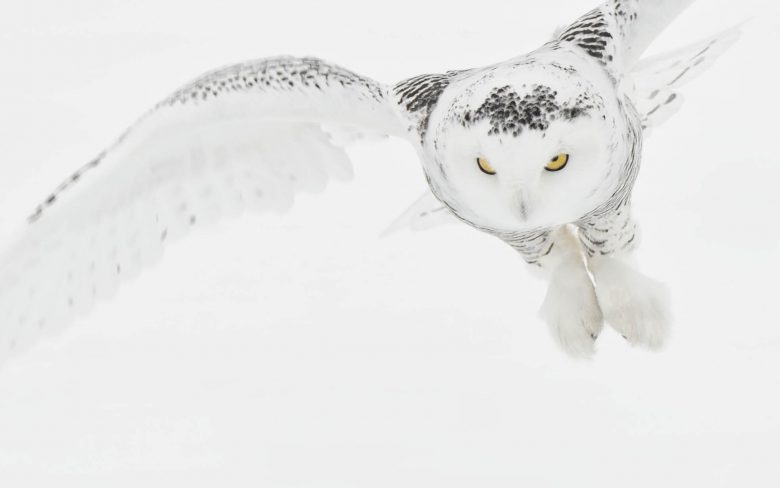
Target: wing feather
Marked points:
618	32
655	81
426	212
243	138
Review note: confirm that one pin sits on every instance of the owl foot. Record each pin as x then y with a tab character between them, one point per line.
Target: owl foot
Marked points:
571	309
636	306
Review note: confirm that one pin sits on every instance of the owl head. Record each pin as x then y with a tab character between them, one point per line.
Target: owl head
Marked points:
525	146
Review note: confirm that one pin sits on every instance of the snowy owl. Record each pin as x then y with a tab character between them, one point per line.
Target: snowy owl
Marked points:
541	151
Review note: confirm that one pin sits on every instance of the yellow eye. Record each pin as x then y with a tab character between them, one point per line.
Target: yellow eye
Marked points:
485	166
558	162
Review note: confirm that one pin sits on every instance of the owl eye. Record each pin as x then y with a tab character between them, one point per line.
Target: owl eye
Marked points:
558	162
485	167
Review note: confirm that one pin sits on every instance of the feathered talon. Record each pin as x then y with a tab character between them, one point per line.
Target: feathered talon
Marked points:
636	306
571	310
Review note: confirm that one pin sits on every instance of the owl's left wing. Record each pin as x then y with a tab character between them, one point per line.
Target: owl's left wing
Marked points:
244	137
654	83
618	32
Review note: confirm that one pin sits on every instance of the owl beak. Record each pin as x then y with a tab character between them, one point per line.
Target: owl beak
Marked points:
516	195
521	205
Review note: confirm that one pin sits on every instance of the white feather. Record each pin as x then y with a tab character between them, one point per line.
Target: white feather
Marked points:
651	18
654	81
426	212
182	165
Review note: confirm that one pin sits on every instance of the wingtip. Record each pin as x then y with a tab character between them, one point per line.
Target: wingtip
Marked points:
394	226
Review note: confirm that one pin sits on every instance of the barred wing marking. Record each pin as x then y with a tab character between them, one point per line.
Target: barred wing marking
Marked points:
656	80
618	32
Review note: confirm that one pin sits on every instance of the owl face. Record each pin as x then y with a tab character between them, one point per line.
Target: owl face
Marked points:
536	149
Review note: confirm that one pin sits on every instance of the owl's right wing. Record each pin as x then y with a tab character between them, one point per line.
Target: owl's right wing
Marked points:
247	136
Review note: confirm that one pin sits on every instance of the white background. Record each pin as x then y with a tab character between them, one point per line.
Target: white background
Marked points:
304	350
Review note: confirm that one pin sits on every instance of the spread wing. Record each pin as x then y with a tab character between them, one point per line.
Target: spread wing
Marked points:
247	136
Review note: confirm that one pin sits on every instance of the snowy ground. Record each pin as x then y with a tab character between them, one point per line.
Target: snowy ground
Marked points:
256	355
